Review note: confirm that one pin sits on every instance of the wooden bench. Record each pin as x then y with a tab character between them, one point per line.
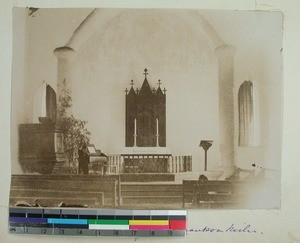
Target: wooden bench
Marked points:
188	191
69	185
52	198
215	194
209	194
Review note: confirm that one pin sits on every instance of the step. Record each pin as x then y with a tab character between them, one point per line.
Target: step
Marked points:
109	192
136	200
125	177
55	194
151	193
150	187
147	177
54	202
72	177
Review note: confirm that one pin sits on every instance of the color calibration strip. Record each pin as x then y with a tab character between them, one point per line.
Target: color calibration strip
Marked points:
97	222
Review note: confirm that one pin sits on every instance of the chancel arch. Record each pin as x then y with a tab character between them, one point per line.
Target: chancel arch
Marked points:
100	18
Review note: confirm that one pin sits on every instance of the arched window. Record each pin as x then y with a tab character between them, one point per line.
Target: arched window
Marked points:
248	115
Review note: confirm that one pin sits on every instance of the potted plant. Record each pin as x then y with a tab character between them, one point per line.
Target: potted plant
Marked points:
76	133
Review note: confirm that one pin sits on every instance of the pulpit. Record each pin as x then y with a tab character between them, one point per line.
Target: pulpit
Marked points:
41	147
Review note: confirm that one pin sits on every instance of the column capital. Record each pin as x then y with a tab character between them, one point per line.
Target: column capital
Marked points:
225	51
64	52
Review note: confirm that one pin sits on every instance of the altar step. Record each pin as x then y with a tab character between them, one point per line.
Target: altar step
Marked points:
156	200
147	177
136	194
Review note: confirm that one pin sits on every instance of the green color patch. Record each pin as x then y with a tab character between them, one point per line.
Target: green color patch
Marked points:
108	221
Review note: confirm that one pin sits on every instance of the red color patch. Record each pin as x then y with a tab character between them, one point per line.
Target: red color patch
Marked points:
177	224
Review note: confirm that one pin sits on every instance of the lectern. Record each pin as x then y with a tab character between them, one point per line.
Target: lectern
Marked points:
205	144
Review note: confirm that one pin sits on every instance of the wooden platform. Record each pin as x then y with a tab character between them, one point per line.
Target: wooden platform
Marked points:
113	191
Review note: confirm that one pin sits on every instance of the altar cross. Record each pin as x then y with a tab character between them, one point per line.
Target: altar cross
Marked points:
145	73
159	83
131	83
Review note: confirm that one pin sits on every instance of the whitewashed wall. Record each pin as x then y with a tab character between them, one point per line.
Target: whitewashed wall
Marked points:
172	51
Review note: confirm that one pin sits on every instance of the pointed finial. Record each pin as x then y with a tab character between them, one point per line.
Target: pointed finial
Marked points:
159	83
126	91
153	90
137	90
145	73
165	90
131	83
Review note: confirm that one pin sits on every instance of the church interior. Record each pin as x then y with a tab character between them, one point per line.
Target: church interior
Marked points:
167	94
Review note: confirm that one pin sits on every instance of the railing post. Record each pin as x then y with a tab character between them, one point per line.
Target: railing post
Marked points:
119	191
180	164
118	164
121	169
183	199
102	199
115	193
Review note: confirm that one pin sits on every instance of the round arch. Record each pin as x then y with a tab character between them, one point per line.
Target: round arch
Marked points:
99	17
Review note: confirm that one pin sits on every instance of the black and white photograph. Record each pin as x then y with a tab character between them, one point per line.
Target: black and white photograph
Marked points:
146	108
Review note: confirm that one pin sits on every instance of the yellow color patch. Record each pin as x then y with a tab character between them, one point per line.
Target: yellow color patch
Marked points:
148	222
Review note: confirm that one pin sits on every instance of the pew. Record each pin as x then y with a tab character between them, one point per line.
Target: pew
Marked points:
215	194
50	198
188	191
102	190
209	194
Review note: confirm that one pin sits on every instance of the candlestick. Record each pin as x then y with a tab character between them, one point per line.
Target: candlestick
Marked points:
135	135
157	133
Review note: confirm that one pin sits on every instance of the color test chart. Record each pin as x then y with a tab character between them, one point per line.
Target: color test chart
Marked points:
98	222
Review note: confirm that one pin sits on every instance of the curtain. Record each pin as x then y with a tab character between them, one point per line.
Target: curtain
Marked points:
246	114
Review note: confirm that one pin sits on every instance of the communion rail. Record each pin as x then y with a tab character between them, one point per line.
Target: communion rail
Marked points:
176	164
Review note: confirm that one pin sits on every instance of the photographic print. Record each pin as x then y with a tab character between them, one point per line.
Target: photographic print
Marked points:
146	108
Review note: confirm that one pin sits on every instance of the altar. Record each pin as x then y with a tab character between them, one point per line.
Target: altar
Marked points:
145	129
146	159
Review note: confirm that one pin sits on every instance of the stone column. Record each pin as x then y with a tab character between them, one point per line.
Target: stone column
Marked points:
225	54
64	72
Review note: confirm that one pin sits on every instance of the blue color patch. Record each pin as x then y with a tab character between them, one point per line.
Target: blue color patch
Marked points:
67	221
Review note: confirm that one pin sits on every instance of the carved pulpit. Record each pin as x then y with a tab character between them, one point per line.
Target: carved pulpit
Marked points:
41	145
